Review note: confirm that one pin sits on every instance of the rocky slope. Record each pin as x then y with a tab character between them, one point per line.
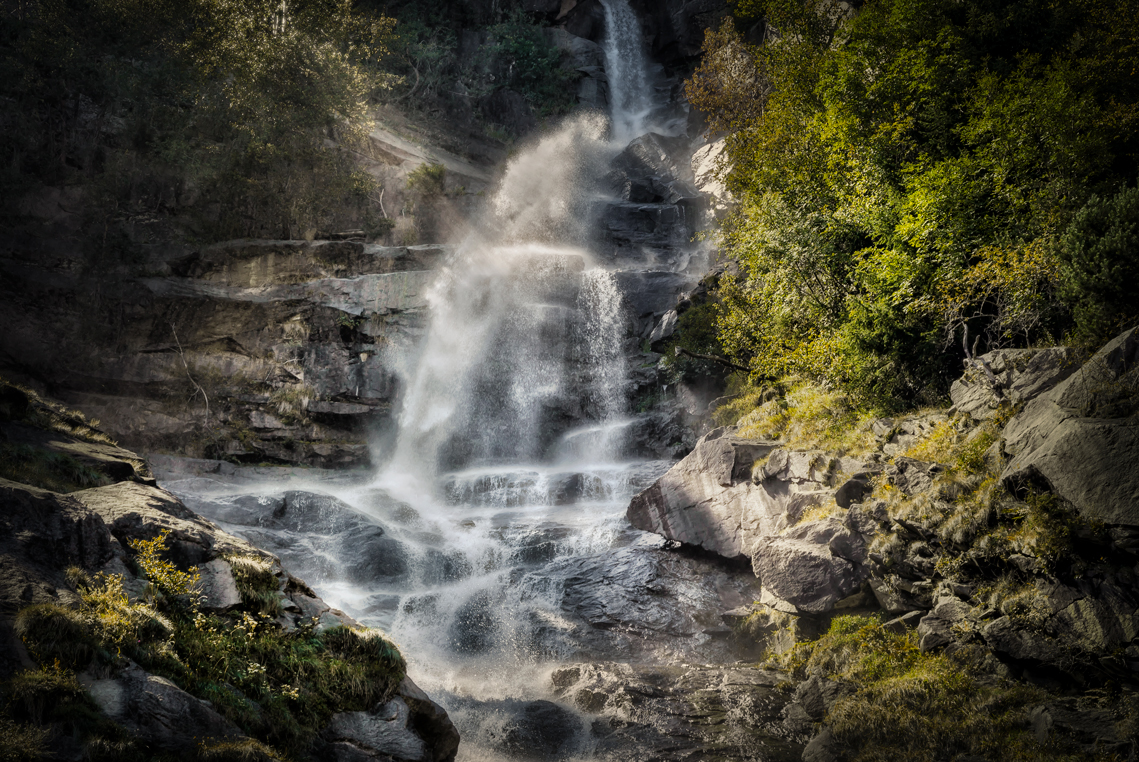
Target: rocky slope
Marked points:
1001	532
58	552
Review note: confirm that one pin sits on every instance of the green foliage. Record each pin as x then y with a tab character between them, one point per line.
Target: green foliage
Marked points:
53	633
256	584
229	106
1100	254
696	333
905	704
169	579
237	751
802	415
428	181
55	471
45	691
279	686
532	65
912	168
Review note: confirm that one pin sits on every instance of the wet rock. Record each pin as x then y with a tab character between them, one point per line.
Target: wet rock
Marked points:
474	628
541	730
1078	441
314	534
674	713
382	731
430	722
641	602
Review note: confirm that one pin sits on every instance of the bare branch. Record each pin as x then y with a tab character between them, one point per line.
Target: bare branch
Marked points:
186	365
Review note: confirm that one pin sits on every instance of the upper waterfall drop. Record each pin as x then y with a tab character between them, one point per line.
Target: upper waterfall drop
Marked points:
631	92
526	336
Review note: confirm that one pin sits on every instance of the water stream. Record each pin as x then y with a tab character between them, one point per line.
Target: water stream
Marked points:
492	546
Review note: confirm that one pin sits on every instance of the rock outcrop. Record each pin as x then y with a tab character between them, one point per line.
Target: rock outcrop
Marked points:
278	351
825	535
1080	441
45	536
738	497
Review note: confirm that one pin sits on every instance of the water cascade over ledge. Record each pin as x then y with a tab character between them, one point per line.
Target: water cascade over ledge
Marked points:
492	545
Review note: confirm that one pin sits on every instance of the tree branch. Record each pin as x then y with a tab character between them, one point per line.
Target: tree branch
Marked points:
712	358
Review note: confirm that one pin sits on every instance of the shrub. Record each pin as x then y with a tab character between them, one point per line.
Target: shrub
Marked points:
428	181
1100	252
905	704
279	686
164	575
53	633
43	691
256	584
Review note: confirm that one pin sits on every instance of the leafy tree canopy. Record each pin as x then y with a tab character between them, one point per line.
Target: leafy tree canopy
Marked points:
917	167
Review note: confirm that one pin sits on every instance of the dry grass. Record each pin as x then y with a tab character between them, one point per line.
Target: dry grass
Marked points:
807	417
905	704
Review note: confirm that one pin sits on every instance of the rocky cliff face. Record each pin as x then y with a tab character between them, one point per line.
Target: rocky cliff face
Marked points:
1033	579
279	351
53	545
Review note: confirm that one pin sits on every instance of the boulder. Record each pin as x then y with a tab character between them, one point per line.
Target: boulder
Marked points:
431	722
139	512
707	500
1021	375
936	628
1079	440
683	711
708	171
802	576
386	730
541	730
217	586
157	711
1004	636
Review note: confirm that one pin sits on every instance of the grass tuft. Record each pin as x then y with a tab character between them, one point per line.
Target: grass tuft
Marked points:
21	742
54	471
905	704
256	584
807	417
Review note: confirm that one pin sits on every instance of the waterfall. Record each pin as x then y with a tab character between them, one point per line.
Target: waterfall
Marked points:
526	337
626	65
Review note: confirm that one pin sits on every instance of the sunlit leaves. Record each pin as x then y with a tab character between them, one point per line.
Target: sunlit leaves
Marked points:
915	164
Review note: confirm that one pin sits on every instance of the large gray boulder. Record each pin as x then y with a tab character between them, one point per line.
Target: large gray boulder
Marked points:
1021	375
1080	440
157	711
738	497
708	499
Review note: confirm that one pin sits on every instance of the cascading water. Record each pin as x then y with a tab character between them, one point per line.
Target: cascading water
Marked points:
493	544
627	67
